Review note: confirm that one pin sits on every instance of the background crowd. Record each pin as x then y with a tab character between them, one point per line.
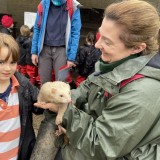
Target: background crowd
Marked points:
114	77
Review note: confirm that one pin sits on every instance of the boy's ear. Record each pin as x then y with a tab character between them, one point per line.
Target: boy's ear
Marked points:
139	48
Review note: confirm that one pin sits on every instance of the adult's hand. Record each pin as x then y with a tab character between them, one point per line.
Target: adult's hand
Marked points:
70	64
35	59
51	106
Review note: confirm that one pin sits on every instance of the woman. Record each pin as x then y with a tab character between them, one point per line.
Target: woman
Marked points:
119	121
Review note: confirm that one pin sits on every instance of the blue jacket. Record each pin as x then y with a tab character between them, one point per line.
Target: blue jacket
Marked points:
72	31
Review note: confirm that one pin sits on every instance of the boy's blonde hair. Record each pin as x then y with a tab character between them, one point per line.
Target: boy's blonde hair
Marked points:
25	31
140	21
9	42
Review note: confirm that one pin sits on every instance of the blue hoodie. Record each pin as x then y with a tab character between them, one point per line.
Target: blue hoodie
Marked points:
72	31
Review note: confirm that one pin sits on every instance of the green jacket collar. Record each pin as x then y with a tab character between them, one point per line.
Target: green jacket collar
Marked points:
108	67
126	69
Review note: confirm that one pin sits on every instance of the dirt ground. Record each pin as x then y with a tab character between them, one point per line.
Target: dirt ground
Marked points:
36	122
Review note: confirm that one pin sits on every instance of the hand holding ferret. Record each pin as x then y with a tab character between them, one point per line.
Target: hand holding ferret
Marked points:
55	96
51	106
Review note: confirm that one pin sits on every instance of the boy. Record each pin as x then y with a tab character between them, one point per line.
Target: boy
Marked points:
17	96
25	65
24	42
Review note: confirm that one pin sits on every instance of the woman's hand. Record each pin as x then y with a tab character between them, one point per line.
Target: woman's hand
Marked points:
51	106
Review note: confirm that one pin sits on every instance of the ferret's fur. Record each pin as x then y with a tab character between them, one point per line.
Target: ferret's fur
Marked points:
56	92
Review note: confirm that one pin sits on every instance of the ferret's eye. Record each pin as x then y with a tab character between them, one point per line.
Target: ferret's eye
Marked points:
61	95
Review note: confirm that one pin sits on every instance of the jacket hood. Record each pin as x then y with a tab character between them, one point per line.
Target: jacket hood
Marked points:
76	4
155	61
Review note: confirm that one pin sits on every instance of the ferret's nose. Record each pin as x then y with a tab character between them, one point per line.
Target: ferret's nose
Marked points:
69	100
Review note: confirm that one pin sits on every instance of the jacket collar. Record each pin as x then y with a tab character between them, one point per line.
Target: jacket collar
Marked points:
21	79
126	70
110	81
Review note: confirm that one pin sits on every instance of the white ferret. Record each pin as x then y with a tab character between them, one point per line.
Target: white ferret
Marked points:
56	92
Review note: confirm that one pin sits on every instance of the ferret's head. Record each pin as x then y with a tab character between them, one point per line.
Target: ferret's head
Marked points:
61	92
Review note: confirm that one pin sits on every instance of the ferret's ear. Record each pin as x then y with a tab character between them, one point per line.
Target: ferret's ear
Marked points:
53	90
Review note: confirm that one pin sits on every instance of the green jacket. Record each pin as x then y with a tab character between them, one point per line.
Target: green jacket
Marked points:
123	127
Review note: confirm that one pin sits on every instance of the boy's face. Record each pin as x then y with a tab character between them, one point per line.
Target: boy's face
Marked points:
7	68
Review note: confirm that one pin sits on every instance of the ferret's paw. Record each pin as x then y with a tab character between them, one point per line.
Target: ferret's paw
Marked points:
57	133
58	120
